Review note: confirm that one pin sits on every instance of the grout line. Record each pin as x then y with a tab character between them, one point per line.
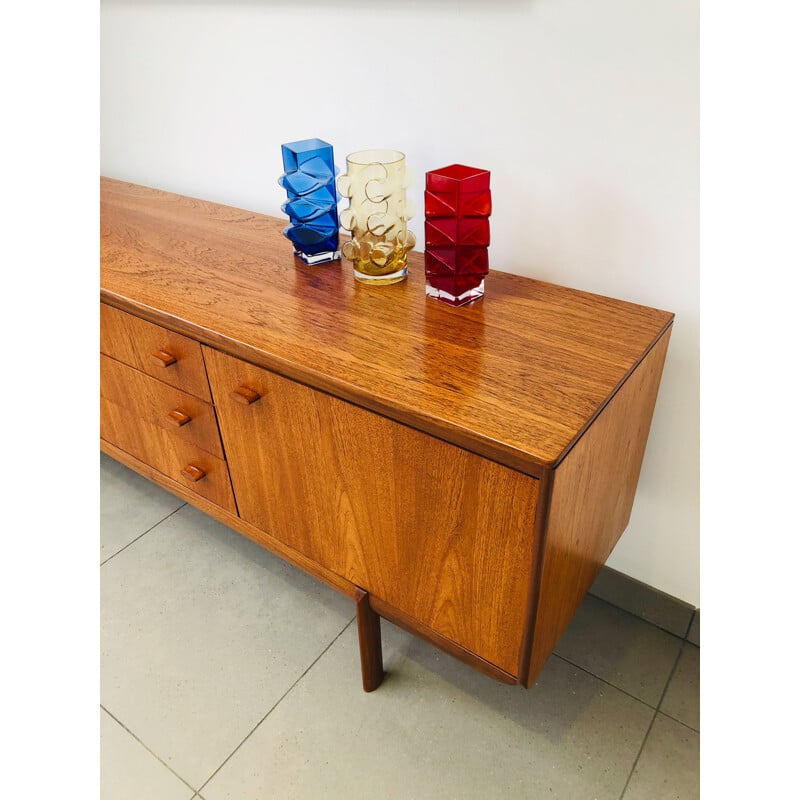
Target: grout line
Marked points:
689	626
674	670
277	703
143	534
638	755
674	719
155	755
606	682
652	722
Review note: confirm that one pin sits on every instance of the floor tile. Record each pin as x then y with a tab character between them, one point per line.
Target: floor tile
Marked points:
129	772
669	766
624	650
202	631
682	698
129	506
437	728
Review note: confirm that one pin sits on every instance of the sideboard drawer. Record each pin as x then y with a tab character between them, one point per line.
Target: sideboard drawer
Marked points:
196	469
167	356
439	533
180	413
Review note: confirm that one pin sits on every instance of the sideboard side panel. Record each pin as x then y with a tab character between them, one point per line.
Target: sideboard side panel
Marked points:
591	502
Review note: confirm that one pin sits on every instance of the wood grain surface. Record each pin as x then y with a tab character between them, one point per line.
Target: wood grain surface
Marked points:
166	452
407	623
591	501
136	342
517	376
161	404
439	533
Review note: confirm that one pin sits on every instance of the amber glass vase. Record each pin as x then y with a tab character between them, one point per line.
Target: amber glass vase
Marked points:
377	216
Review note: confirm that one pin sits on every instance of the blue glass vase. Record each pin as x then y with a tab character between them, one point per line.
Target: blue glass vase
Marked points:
309	180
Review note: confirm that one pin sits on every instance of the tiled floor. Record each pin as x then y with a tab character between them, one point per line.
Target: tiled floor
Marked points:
229	675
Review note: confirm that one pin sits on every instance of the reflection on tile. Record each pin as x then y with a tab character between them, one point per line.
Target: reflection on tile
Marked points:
436	728
626	651
682	699
202	632
669	766
129	772
129	506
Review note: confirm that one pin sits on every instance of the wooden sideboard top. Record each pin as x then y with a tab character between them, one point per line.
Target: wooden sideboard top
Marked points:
517	376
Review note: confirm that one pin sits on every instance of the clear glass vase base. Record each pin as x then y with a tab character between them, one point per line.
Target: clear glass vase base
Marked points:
453	300
319	258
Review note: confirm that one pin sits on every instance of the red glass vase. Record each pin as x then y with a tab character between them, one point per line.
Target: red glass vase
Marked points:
458	203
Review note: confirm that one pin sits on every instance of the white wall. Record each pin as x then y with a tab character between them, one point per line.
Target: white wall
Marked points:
585	111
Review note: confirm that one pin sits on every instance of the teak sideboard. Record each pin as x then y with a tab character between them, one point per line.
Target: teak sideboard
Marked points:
462	472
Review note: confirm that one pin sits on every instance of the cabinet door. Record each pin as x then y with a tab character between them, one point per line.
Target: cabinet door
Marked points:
437	532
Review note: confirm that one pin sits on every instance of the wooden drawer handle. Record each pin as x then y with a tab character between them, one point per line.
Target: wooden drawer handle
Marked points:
178	418
162	358
193	473
245	395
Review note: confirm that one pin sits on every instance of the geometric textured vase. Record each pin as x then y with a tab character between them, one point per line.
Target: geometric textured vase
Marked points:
458	203
377	217
309	180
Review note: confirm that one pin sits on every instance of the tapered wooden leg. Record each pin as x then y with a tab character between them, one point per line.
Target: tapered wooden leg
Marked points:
369	642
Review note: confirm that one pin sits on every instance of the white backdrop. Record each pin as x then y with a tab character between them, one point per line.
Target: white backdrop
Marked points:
585	111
